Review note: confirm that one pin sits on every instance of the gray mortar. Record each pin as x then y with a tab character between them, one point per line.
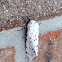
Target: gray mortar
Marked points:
50	25
14	38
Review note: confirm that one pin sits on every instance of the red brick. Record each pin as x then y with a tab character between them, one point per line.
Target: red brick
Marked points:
7	54
51	46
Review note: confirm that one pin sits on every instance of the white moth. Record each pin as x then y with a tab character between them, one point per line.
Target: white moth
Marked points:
32	40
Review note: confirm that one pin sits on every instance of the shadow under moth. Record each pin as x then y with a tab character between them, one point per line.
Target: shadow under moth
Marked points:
32	40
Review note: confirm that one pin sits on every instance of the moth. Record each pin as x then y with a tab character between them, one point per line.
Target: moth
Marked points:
32	40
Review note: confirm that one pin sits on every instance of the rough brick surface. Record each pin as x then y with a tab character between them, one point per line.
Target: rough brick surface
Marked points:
34	9
14	9
52	47
7	54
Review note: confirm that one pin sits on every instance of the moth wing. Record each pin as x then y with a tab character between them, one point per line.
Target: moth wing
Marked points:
32	39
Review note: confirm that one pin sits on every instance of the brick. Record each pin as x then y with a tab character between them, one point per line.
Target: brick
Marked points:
7	54
50	49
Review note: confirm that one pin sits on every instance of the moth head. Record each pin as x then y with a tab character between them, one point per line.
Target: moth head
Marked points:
26	19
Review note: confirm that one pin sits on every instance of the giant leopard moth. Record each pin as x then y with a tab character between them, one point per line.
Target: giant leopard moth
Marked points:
32	40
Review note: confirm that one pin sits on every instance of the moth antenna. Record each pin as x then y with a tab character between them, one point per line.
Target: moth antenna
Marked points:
23	18
26	18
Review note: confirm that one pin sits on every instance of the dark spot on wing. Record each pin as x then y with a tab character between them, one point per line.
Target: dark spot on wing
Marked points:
34	51
27	53
32	54
35	35
31	33
37	46
26	46
30	38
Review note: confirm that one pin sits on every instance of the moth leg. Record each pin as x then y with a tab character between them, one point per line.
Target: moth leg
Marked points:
26	19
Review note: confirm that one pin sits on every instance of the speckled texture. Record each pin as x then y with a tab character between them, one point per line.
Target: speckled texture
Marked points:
14	9
7	54
32	40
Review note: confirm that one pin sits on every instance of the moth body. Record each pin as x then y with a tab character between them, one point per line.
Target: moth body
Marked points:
32	39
